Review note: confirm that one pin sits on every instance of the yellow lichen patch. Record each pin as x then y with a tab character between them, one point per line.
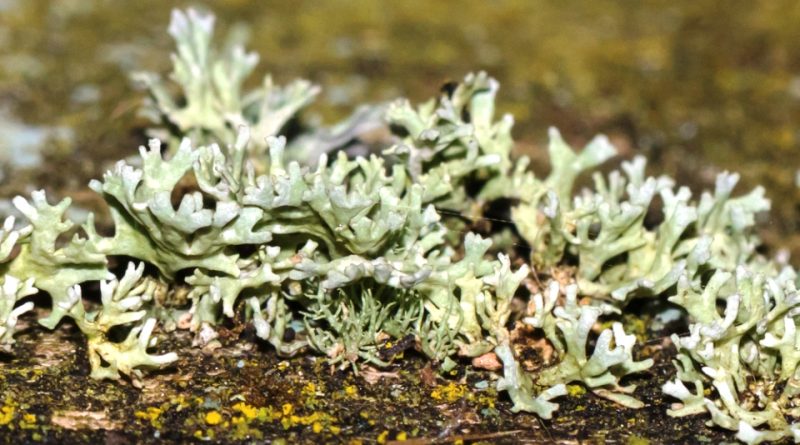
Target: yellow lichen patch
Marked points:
605	325
267	413
152	415
309	389
350	390
287	409
485	399
240	424
282	366
180	403
248	411
381	439
28	421
6	414
309	393
317	420
638	327
213	418
576	390
449	393
365	415
401	436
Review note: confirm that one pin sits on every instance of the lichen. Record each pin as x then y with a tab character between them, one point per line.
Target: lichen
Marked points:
361	258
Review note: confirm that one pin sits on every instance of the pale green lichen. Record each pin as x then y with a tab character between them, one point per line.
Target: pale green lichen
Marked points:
123	303
748	355
214	104
607	364
605	229
12	289
344	254
452	140
520	388
55	268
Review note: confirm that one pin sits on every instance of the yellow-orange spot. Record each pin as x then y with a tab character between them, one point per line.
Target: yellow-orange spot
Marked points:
6	414
248	411
576	390
213	418
382	437
151	414
449	393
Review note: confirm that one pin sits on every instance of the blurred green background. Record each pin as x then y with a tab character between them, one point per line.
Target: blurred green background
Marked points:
697	86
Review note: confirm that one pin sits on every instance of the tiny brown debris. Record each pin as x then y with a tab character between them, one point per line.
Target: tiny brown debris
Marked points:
185	321
84	420
373	376
487	361
428	375
544	347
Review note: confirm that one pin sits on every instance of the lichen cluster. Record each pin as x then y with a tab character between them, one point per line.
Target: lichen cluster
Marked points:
325	240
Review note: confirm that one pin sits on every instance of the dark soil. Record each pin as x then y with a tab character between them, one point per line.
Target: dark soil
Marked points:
244	393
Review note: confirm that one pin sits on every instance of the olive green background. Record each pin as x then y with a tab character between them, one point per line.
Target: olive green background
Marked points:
697	86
